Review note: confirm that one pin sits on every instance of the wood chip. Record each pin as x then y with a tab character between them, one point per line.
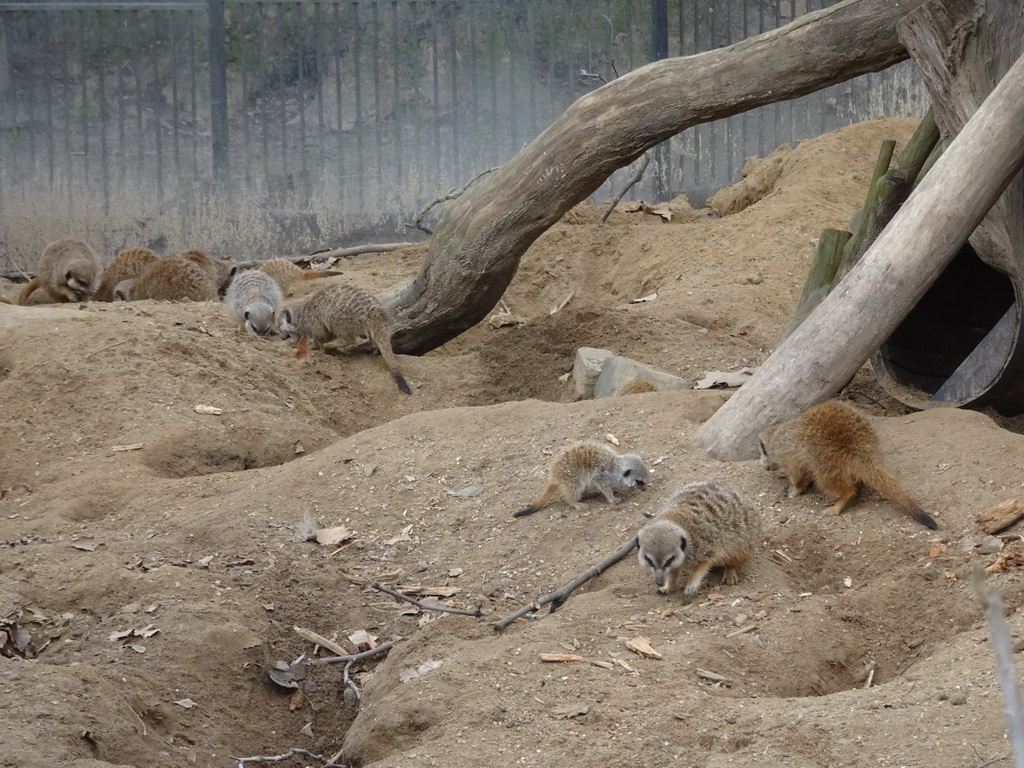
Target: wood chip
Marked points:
641	646
320	640
208	410
561	657
712	676
742	630
1000	516
129	447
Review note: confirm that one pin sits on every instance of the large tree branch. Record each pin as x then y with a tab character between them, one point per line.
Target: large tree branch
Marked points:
476	247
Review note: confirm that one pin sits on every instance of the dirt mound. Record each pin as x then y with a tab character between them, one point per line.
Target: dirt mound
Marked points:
161	469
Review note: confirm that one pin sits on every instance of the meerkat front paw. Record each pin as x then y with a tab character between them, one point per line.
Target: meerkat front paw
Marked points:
662	590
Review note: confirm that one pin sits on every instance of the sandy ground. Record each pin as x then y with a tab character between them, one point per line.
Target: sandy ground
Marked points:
125	509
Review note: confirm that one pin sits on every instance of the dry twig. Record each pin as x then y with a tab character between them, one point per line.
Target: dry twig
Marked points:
354	656
426	606
632	180
284	756
560	595
452	195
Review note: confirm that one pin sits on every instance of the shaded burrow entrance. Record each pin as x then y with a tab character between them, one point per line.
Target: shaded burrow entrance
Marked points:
961	343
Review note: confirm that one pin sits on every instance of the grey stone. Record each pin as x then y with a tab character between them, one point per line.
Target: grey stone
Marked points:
618	370
587	367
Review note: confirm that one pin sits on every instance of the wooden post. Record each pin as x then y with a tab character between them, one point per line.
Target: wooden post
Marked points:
862	311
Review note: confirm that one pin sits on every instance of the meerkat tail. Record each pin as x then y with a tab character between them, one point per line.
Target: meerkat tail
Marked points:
885	483
5	301
383	345
545	496
28	290
313	274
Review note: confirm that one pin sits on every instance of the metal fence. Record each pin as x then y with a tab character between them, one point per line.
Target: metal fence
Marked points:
252	127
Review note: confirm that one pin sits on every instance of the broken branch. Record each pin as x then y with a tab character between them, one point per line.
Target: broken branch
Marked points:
632	180
452	195
426	606
354	656
559	596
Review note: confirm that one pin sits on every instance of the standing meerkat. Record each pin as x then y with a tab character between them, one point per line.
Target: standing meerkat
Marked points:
835	447
126	265
169	279
287	274
342	312
67	271
253	298
588	468
703	525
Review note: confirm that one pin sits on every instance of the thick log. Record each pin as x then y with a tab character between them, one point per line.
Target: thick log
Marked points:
862	311
821	276
477	244
961	48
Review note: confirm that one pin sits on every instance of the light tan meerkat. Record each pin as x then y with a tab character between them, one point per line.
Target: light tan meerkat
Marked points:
253	299
129	263
288	274
703	525
835	447
67	271
636	387
586	469
342	312
169	279
221	270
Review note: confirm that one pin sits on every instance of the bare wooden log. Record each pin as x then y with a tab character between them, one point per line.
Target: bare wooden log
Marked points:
477	244
862	311
355	250
821	276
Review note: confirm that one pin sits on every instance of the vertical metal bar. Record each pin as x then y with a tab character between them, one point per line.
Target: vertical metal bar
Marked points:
243	65
453	65
495	156
358	123
173	33
193	18
417	117
282	64
397	97
659	50
320	59
436	90
154	50
512	82
261	71
51	149
378	126
84	112
531	36
300	53
137	68
218	91
122	147
30	93
102	96
474	90
339	134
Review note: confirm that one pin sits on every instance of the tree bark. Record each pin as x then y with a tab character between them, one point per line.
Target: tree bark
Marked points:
835	340
475	250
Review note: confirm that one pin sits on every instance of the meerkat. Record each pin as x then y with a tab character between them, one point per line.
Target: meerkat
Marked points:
126	265
835	447
253	298
342	312
67	272
169	279
636	387
287	274
703	525
221	270
588	468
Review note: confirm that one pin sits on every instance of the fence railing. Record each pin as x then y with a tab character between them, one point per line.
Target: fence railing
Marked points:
267	126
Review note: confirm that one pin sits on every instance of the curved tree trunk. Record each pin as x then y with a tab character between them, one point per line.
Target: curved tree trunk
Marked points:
476	247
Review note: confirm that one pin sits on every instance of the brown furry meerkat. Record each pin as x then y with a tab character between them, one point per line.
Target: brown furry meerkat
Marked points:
636	387
253	298
342	312
287	274
835	447
129	263
220	270
170	279
67	271
589	468
703	525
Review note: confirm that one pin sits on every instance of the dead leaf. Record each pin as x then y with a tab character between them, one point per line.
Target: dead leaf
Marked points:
299	448
308	528
295	701
115	636
982	545
561	657
361	637
468	492
330	537
569	711
641	646
136	647
662	210
503	320
129	447
88	543
208	410
724	378
307	730
403	536
268	606
405	674
937	551
186	703
302	348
